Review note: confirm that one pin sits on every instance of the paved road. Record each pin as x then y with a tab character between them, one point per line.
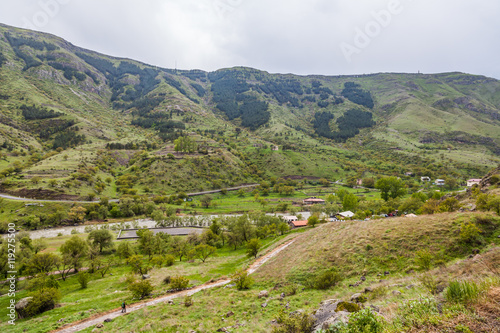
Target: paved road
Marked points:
10	197
134	307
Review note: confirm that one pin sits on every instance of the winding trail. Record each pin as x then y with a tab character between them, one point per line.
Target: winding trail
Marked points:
112	314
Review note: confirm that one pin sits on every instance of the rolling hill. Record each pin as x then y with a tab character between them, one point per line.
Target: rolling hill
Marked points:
75	122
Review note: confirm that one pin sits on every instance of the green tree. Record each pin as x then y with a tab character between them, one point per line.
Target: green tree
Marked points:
312	220
42	263
125	250
138	265
206	200
102	238
75	249
390	187
203	251
253	247
185	144
494	204
350	202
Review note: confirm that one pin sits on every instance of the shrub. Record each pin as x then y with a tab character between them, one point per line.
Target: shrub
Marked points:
365	321
291	289
43	300
430	283
242	280
179	282
377	292
469	233
169	260
167	280
326	280
83	279
423	259
188	301
415	313
462	291
293	323
141	289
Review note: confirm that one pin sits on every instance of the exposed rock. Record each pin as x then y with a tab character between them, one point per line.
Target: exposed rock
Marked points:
368	290
356	297
229	314
410	286
21	307
107	320
282	295
396	292
263	294
264	305
100	325
386	273
363	278
146	276
327	315
375	308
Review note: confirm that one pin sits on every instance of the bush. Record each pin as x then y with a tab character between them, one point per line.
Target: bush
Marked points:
469	233
291	289
179	282
365	321
141	289
169	260
430	283
43	300
188	301
167	280
242	280
415	313
83	279
462	291
423	259
348	306
293	323
326	280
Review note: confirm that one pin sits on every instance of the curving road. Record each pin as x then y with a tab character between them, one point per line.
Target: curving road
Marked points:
10	197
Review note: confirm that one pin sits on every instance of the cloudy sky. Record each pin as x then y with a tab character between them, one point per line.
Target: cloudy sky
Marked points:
331	37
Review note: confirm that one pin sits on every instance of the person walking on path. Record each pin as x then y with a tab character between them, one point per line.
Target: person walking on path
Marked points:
124	307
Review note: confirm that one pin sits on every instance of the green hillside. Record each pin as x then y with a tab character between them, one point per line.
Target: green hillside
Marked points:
71	118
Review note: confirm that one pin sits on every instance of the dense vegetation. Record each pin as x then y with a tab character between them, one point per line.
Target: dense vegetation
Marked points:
353	92
33	112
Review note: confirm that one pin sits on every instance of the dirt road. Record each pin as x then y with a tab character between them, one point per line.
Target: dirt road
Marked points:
112	314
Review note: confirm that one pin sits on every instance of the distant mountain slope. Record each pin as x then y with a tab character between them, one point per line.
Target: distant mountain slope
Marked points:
59	102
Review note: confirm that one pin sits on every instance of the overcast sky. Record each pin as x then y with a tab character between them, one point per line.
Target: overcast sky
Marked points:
330	37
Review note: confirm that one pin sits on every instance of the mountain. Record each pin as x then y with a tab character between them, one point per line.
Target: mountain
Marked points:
76	123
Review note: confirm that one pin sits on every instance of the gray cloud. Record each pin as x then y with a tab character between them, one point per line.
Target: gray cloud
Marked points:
292	36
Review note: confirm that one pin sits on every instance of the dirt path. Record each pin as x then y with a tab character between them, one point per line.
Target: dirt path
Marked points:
10	197
112	314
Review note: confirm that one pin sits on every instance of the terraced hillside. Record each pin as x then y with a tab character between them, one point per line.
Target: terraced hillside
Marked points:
76	122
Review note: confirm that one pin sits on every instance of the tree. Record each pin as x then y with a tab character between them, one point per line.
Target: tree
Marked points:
146	241
494	204
125	250
449	205
390	187
350	202
312	220
75	249
203	251
206	200
253	247
141	289
39	244
137	264
180	247
185	144
77	214
102	237
42	263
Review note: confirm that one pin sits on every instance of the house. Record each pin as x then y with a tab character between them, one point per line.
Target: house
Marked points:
439	182
313	201
346	215
425	179
472	182
297	224
289	219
